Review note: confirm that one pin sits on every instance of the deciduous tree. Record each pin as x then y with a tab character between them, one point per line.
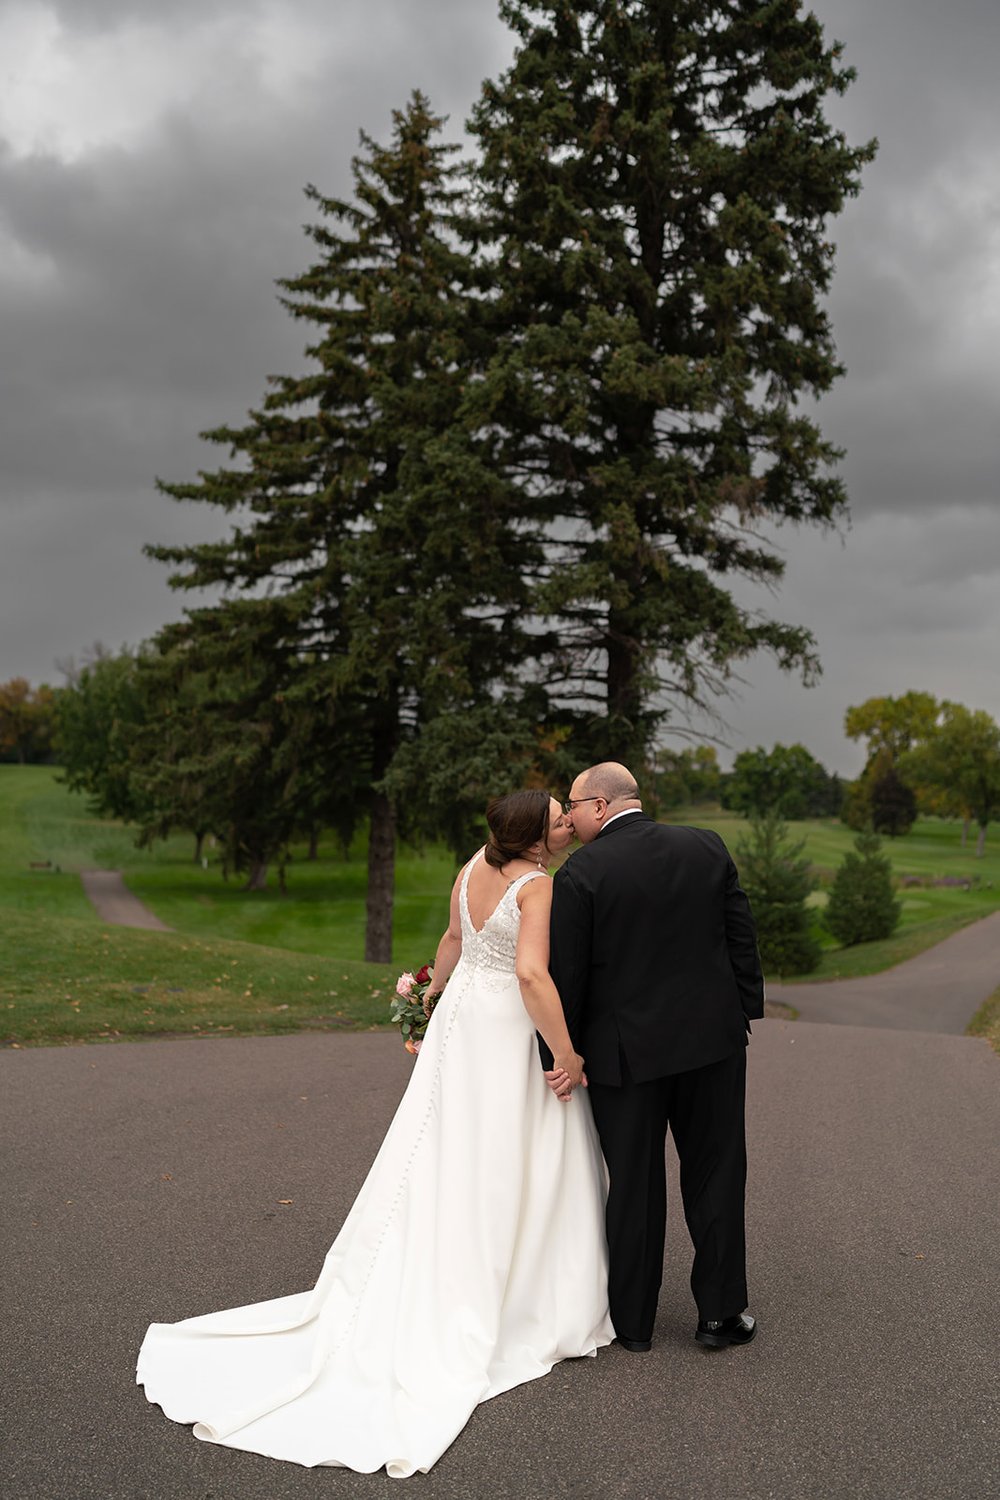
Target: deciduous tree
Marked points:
962	756
687	776
787	780
27	720
100	713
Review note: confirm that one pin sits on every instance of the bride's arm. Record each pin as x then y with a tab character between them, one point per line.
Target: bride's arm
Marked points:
540	996
449	949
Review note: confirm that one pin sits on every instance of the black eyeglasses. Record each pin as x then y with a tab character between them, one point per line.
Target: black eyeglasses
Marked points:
568	806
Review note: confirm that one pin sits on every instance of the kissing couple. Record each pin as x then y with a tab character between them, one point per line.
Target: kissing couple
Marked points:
515	1213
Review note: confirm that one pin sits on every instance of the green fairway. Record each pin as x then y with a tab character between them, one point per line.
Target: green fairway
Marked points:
932	851
227	970
241	962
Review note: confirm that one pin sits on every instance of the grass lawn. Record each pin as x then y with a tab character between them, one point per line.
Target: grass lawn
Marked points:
986	1021
932	850
240	963
67	976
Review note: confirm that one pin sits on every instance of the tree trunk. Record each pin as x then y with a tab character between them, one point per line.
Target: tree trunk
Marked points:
313	841
381	881
199	839
624	696
981	841
257	879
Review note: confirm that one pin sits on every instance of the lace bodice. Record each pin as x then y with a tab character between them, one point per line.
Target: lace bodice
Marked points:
494	946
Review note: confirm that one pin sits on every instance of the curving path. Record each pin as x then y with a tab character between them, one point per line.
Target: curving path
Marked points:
115	903
939	990
154	1180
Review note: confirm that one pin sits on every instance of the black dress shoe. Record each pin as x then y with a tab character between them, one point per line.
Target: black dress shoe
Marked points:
719	1333
635	1346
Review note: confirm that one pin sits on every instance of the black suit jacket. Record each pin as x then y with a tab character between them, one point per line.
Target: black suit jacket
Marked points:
654	950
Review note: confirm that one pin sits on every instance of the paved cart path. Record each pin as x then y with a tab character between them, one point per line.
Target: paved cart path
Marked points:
143	1181
115	903
939	990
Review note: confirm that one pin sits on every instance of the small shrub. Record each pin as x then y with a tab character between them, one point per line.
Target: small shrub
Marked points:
862	905
777	881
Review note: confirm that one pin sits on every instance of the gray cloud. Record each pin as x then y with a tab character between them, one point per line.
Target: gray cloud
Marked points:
141	237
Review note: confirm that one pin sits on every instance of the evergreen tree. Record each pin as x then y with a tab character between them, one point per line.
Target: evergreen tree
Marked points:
656	182
893	804
778	882
376	563
862	906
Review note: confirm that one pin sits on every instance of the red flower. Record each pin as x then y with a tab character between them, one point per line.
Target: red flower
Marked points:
424	974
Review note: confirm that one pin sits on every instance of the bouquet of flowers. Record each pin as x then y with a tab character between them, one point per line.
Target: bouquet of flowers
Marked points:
407	1006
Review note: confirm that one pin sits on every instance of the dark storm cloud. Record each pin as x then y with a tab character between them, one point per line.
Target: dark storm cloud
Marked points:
139	249
138	302
916	303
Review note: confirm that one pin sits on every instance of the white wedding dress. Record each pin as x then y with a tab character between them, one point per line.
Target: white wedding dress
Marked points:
474	1257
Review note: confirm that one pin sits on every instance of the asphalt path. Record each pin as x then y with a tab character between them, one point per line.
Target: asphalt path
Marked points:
939	990
144	1181
114	902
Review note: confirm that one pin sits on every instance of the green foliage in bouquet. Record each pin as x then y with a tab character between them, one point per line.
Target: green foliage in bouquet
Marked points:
407	1006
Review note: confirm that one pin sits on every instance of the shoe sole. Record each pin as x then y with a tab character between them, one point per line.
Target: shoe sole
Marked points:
722	1341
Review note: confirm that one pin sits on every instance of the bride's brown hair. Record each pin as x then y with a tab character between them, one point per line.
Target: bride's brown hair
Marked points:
516	822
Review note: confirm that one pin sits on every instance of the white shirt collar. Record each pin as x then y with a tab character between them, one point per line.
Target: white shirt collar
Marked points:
608	821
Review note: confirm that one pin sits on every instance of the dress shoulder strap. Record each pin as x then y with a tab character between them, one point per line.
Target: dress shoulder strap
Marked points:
523	879
468	869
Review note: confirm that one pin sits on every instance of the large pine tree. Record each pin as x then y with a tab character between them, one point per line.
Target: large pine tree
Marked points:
374	573
656	183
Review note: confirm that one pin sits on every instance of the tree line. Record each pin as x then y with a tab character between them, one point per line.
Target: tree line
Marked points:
925	756
551	399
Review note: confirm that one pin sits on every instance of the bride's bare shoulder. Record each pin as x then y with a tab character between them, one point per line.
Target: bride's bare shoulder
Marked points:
536	890
464	870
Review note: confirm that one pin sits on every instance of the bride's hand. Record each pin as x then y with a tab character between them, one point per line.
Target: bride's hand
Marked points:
429	1002
570	1063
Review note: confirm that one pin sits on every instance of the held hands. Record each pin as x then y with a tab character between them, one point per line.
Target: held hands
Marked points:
565	1075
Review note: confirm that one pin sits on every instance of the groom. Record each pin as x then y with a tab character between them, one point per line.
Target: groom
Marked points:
654	954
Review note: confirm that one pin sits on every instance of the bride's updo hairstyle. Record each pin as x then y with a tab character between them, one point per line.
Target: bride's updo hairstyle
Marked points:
516	822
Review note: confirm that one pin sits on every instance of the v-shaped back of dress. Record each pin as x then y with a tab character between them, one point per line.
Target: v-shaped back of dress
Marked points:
494	945
510	1245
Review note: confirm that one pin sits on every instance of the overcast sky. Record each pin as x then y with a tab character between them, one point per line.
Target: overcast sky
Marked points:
152	160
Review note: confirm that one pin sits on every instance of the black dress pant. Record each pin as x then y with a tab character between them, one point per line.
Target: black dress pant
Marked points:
704	1109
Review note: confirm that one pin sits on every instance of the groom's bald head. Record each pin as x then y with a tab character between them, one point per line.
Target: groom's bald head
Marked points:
610	780
597	794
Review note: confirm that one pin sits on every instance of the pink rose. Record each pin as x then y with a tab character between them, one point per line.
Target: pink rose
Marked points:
404	985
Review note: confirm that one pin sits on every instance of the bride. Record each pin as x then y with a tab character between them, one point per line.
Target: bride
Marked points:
487	1196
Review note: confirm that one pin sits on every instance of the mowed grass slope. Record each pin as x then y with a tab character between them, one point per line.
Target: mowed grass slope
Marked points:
240	963
67	976
931	851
